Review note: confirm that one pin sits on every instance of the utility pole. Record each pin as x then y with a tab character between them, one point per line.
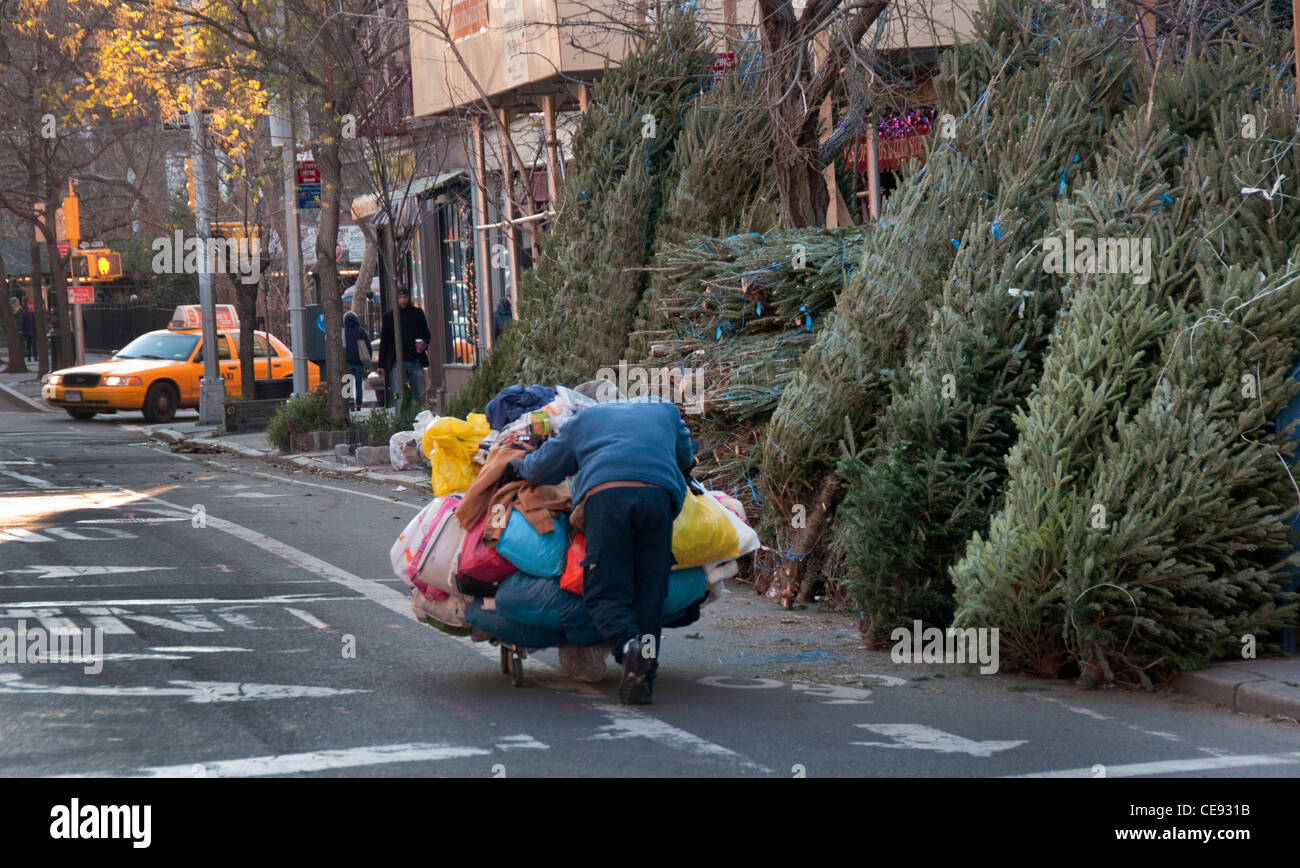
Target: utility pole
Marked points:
282	135
212	388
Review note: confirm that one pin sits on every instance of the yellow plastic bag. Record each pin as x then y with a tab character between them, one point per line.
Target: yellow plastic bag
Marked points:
450	444
702	533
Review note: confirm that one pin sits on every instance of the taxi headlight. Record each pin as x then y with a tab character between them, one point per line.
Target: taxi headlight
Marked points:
123	381
54	379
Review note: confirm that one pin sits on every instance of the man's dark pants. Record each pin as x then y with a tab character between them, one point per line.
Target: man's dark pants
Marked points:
629	534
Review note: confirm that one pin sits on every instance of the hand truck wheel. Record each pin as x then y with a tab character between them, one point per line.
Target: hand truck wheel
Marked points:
505	660
517	669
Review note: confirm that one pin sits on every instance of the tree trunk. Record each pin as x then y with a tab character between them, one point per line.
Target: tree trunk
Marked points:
360	295
17	351
42	320
59	288
246	301
327	268
787	576
397	384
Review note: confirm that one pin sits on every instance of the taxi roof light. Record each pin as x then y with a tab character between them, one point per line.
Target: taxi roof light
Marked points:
190	316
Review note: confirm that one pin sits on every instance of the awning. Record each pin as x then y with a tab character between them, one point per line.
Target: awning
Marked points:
406	212
368	205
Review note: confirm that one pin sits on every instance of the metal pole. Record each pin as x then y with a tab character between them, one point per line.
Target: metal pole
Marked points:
80	335
282	135
212	388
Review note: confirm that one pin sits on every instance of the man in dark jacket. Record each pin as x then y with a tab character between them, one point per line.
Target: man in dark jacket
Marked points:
629	461
27	329
357	344
415	338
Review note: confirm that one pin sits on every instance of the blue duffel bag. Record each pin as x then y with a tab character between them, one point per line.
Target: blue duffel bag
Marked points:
538	554
502	628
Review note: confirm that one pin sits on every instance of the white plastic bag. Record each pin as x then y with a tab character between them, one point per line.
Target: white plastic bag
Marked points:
423	420
746	536
404	451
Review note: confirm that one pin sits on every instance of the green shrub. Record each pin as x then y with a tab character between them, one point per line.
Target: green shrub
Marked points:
301	415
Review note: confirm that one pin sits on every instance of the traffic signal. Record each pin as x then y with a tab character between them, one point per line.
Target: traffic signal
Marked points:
96	265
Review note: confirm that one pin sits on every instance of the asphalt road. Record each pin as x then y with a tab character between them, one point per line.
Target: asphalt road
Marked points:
252	626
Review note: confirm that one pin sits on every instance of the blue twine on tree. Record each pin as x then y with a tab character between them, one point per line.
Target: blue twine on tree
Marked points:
997	230
955	243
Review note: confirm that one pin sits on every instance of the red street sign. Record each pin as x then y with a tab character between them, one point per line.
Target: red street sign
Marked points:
81	295
308	173
725	62
65	249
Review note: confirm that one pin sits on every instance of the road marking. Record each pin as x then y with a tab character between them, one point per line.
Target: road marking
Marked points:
202	692
314	761
34	481
521	742
746	683
310	619
49	619
252	494
69	572
101	619
917	736
1170	767
276	599
621	718
835	694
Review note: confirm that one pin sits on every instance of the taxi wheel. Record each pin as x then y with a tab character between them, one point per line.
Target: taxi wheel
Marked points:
80	415
160	403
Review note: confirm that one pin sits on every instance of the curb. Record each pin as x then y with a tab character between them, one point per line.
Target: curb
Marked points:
1242	691
171	437
19	396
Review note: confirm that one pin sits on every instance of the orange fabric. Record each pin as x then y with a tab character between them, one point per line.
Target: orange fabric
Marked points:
571	578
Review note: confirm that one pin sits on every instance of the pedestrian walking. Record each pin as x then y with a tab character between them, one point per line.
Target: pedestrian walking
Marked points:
630	461
357	343
415	339
27	329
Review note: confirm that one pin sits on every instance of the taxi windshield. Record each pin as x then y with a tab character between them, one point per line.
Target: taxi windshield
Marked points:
164	346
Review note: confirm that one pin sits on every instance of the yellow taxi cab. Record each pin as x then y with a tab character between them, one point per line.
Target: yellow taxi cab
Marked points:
159	372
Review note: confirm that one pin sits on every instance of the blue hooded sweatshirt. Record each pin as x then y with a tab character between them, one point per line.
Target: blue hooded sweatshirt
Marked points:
642	440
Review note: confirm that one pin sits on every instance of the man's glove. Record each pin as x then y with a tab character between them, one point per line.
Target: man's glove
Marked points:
511	473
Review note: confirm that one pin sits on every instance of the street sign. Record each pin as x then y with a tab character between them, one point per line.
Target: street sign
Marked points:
308	197
356	244
724	63
81	295
308	172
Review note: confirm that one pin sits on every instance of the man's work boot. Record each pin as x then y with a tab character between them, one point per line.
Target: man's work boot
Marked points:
634	689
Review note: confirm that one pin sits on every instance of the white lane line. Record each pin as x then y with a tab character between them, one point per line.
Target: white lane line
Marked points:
1169	767
278	599
34	481
314	761
202	692
49	619
100	619
58	571
310	619
622	718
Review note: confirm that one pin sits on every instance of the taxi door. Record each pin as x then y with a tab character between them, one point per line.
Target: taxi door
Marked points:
229	365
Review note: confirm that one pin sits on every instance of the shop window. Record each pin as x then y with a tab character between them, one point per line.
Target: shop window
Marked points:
460	293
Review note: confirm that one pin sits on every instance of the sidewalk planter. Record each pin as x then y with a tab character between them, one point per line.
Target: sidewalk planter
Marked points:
372	456
325	441
241	417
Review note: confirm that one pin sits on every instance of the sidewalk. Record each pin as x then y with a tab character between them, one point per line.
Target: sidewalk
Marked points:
192	437
1268	686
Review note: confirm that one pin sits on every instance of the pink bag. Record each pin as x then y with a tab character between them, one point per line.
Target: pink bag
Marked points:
411	553
482	562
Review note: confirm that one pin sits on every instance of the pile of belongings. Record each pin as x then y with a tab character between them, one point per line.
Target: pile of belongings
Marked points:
500	561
